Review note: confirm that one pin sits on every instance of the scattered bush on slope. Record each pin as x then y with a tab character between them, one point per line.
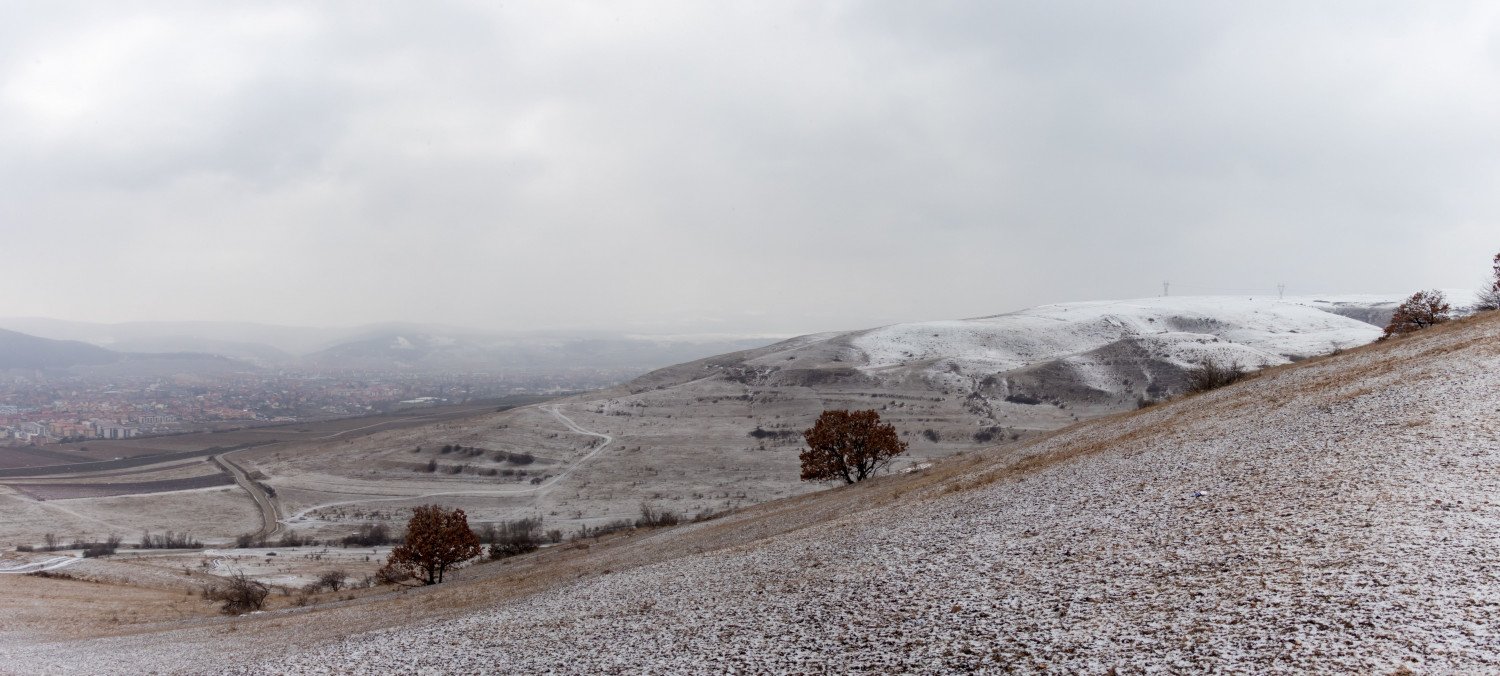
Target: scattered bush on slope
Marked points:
1423	310
1213	375
238	594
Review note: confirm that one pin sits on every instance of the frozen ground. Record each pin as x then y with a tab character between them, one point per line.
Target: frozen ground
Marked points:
1340	517
1335	516
723	433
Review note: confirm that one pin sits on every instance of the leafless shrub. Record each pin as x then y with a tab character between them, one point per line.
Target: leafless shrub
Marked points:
291	539
602	530
655	517
390	575
105	548
512	538
1212	375
1489	292
249	540
1487	300
333	580
170	540
238	594
369	535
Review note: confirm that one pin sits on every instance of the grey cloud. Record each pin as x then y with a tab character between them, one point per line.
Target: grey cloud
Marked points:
767	167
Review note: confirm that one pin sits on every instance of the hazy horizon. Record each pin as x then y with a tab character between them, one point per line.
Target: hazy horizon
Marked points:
1458	296
777	168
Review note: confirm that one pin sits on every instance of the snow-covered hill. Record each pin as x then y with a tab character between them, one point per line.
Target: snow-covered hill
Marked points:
1092	357
1101	350
1333	519
1186	330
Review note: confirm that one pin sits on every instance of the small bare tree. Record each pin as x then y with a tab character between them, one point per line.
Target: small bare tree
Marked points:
333	580
1424	309
848	445
436	539
1489	295
239	594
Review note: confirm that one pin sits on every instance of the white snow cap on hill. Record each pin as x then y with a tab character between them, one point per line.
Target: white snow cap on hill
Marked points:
1255	332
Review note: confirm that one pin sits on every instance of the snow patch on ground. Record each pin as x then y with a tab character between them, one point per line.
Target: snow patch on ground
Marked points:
24	567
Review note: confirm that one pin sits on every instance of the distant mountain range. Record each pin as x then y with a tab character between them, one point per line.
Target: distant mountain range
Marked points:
51	343
22	351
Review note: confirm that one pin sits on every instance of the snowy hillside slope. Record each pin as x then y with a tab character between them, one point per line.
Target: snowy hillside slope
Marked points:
1337	517
1093	356
1333	516
725	432
1183	331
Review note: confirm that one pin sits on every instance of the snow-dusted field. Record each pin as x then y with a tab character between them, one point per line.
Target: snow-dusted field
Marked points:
683	437
1338	517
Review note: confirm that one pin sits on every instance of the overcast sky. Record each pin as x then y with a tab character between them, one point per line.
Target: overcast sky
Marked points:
733	167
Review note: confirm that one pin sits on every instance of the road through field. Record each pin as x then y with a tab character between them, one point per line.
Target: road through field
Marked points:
270	523
540	489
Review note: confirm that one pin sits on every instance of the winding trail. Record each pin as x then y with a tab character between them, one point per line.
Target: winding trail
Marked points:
270	518
540	489
271	523
38	566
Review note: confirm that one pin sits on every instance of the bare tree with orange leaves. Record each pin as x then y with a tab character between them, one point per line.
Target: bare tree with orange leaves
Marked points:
848	445
436	539
1424	309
